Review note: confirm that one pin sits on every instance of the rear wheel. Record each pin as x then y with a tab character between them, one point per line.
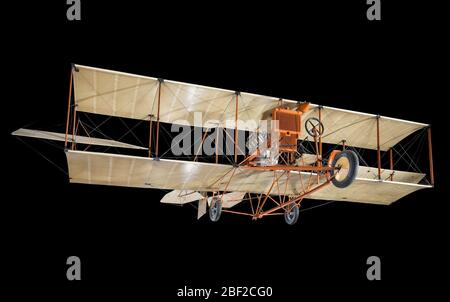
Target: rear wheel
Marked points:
215	209
291	214
345	168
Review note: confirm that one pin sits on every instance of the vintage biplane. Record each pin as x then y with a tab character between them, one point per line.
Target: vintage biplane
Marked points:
309	152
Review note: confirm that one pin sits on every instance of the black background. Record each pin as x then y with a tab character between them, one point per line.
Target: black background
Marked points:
129	243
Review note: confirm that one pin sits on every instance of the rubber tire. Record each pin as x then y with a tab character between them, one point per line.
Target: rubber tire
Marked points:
287	218
352	171
215	209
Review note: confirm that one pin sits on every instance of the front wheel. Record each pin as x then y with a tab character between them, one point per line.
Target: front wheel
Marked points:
215	209
344	168
291	214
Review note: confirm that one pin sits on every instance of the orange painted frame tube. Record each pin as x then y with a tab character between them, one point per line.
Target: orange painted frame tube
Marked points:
150	137
290	168
320	136
74	126
236	128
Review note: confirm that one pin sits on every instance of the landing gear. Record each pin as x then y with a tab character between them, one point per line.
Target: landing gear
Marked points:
291	214
345	168
215	209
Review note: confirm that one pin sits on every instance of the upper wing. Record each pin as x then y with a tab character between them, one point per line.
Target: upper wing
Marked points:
126	95
360	129
132	96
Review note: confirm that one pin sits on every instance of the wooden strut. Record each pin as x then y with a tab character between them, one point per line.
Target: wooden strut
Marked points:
391	164
378	148
74	126
430	156
320	137
236	128
157	119
68	108
150	137
217	145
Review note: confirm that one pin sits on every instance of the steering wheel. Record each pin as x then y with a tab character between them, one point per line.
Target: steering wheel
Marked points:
314	127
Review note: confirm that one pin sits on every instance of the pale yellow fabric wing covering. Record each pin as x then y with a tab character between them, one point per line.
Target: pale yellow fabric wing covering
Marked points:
120	94
130	171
